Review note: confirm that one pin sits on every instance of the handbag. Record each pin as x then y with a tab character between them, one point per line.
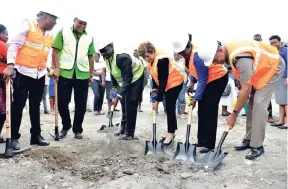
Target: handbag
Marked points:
227	90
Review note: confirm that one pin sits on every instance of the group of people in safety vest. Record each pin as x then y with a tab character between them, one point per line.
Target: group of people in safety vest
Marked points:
258	66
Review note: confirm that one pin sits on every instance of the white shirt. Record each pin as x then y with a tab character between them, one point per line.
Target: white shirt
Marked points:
98	66
15	44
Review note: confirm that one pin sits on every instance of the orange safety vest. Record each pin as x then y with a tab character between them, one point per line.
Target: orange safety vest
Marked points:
215	71
175	76
266	60
34	51
3	56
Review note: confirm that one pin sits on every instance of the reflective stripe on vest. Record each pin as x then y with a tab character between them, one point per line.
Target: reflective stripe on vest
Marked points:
175	77
266	59
75	53
137	69
34	52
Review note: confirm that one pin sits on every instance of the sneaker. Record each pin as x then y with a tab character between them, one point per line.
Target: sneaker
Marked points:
96	113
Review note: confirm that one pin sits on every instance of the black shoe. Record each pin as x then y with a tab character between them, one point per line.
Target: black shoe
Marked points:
243	146
15	144
78	136
46	112
63	133
120	131
254	153
39	140
204	150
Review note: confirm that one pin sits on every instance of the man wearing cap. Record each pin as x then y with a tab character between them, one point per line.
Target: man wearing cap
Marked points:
27	57
212	81
72	56
259	68
128	73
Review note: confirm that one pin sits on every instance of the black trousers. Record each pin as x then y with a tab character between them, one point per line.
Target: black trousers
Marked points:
129	105
171	97
208	112
26	87
80	88
270	110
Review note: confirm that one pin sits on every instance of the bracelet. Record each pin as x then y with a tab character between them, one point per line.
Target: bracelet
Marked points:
235	112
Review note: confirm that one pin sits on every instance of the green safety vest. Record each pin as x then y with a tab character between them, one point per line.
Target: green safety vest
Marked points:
137	69
71	47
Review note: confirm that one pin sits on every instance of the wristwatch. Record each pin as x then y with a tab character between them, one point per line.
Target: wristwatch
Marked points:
236	112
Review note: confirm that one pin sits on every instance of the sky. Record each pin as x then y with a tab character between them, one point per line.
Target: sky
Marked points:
129	22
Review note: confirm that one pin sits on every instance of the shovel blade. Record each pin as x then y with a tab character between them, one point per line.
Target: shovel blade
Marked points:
192	152
212	165
181	153
105	128
149	148
208	157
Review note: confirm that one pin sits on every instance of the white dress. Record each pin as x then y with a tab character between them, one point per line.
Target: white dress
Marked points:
228	100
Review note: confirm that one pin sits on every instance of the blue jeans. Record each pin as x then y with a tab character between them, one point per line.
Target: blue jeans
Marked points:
181	97
164	102
98	91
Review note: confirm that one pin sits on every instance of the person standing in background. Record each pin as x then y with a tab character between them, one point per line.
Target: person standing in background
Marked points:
44	97
146	75
228	99
281	89
258	37
181	105
3	62
98	85
51	94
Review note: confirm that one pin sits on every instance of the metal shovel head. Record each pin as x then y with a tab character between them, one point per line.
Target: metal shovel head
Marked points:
56	137
107	128
150	149
181	153
217	160
208	157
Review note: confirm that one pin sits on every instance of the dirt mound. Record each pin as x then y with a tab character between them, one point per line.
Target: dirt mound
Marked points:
53	158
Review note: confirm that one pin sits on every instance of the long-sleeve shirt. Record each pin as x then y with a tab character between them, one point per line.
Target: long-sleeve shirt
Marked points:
202	73
163	73
124	63
283	53
16	43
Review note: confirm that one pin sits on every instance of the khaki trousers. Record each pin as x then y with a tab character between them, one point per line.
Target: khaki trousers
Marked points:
257	113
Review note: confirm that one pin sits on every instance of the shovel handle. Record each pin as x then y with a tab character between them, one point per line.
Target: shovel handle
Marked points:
190	115
8	108
154	116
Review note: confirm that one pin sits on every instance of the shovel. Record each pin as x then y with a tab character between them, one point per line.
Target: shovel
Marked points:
110	124
213	159
186	151
56	136
9	152
154	147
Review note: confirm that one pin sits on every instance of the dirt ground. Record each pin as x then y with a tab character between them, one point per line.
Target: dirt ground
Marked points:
99	160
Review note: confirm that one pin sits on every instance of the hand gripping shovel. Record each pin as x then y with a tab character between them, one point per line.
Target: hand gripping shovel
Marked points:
56	136
213	159
154	147
9	152
186	151
110	124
